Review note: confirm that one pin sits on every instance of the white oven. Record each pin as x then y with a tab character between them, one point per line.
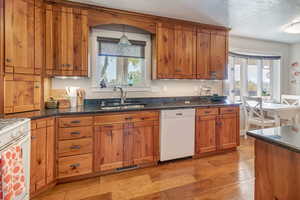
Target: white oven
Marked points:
17	132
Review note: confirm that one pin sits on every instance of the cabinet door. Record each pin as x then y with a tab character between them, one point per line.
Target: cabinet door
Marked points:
19	36
219	54
39	39
22	93
38	158
143	143
228	131
139	143
206	134
80	43
165	52
66	41
203	54
185	53
50	161
108	147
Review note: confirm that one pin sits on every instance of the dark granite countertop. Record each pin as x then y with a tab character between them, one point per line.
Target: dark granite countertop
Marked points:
287	137
92	108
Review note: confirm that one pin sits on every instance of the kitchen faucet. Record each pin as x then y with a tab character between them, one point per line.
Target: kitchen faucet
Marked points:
123	94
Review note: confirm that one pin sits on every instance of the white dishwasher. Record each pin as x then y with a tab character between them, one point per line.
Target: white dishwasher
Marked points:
177	134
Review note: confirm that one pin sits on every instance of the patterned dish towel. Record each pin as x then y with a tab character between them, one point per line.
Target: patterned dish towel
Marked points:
12	174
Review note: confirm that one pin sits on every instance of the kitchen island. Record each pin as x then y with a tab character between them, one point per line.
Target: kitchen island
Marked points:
277	163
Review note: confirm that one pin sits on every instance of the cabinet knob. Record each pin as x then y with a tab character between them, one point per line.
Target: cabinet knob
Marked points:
177	70
8	60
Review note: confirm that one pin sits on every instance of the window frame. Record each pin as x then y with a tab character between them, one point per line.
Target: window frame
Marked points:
94	47
274	72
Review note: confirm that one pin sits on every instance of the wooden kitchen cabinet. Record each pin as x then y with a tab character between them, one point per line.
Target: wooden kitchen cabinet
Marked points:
125	144
42	154
185	52
19	37
206	134
176	52
165	51
75	146
109	144
212	54
219	54
66	41
22	93
203	54
217	129
227	131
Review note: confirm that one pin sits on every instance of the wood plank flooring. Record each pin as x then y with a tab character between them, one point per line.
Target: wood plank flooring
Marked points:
222	177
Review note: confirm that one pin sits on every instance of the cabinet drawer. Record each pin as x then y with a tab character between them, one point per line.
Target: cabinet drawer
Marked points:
228	110
75	121
74	165
75	132
127	117
207	111
75	147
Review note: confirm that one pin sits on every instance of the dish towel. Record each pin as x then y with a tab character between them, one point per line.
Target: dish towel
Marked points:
12	174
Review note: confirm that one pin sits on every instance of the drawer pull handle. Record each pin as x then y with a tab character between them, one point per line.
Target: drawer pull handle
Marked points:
230	110
75	133
145	118
75	122
179	114
108	126
128	118
75	147
74	166
33	137
207	112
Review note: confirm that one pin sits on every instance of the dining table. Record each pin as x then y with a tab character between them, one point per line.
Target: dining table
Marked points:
279	111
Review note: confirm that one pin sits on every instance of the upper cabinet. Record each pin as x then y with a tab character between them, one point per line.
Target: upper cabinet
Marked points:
182	52
176	52
219	54
19	37
165	38
66	41
185	52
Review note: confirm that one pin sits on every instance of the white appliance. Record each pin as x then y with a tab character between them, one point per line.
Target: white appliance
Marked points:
17	132
177	134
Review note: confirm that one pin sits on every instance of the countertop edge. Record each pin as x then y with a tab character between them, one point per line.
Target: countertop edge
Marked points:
274	142
68	113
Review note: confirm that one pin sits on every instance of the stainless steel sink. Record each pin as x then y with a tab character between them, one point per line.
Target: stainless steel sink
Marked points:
124	106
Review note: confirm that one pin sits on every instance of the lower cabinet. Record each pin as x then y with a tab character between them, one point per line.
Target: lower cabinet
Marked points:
42	154
126	140
217	129
22	93
75	146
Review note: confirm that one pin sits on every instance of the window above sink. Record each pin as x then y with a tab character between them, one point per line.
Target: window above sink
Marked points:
117	65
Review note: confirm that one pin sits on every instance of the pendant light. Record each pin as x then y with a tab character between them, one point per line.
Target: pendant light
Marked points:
124	41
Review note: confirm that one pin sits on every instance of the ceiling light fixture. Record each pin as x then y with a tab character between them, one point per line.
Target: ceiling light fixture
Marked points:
293	28
124	41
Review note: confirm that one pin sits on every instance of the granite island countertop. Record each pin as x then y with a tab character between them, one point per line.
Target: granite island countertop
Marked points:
286	137
97	109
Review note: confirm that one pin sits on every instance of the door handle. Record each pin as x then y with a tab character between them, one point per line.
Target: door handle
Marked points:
75	147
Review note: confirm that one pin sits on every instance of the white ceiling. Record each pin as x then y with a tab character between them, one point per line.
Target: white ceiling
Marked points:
261	19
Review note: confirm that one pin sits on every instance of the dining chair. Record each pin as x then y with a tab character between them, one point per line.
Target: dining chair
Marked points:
254	114
289	118
293	100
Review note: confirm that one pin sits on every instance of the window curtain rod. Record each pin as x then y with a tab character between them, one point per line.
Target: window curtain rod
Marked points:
238	55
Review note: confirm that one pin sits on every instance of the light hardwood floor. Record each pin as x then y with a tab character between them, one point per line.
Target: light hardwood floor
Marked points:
222	177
